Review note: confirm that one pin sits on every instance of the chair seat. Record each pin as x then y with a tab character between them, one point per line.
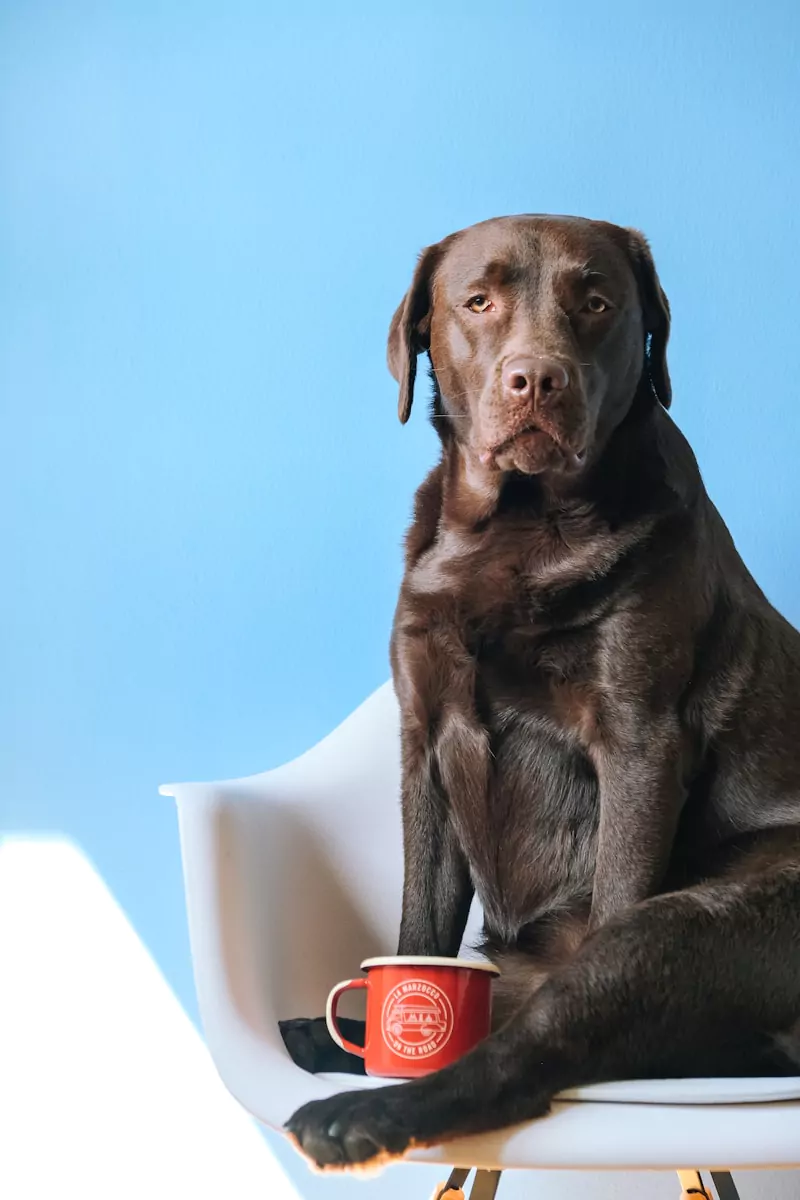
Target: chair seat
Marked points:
293	877
727	1090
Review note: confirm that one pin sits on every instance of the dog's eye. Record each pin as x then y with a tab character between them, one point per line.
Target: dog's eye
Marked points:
479	304
596	304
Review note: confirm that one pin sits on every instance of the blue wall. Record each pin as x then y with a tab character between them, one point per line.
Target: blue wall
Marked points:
207	215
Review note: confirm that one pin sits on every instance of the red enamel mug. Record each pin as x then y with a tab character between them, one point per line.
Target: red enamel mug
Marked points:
422	1013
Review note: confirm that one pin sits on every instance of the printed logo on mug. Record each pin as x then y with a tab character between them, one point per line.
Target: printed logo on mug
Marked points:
417	1019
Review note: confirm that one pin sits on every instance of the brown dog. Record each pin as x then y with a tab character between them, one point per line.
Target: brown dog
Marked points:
600	709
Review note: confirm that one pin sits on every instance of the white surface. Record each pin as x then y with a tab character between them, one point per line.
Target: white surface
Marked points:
294	876
106	1089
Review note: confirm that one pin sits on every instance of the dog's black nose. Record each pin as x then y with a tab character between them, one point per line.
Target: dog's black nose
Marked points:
525	378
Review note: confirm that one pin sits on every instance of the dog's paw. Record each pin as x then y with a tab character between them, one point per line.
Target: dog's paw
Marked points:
353	1128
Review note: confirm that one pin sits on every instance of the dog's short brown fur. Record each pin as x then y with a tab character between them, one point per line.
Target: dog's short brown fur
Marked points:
600	708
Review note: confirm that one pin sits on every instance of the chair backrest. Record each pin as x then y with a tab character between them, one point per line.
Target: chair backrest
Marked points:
312	855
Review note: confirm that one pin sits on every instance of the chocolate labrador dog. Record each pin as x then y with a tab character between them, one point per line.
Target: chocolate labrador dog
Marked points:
600	708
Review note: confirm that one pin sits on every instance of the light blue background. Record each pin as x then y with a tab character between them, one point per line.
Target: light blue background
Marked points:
207	215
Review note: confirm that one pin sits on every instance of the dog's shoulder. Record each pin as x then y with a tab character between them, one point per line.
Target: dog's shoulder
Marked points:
422	531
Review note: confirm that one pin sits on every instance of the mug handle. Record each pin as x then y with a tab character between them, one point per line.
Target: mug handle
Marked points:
330	1014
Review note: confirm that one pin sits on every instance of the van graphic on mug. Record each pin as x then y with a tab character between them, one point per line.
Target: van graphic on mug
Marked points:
417	1019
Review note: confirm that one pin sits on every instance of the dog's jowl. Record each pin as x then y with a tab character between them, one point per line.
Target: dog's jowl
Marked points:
600	708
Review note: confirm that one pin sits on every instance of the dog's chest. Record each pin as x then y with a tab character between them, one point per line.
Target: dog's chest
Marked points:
521	608
520	605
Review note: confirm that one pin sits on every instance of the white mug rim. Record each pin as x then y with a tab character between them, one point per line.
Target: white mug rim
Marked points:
421	960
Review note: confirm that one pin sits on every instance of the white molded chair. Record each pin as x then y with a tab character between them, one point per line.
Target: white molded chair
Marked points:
294	876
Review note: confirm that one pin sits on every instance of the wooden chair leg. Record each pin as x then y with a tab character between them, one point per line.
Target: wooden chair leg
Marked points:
452	1190
484	1186
692	1185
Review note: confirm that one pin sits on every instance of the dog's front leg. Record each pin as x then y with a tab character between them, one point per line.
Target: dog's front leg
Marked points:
437	890
445	763
641	796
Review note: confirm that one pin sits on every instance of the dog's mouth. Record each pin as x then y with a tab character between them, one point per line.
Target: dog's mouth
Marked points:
533	434
536	443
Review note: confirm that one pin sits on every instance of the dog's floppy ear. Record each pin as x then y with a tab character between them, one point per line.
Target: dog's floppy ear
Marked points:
409	332
655	310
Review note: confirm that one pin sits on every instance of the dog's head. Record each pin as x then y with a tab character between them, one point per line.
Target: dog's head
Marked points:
542	331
